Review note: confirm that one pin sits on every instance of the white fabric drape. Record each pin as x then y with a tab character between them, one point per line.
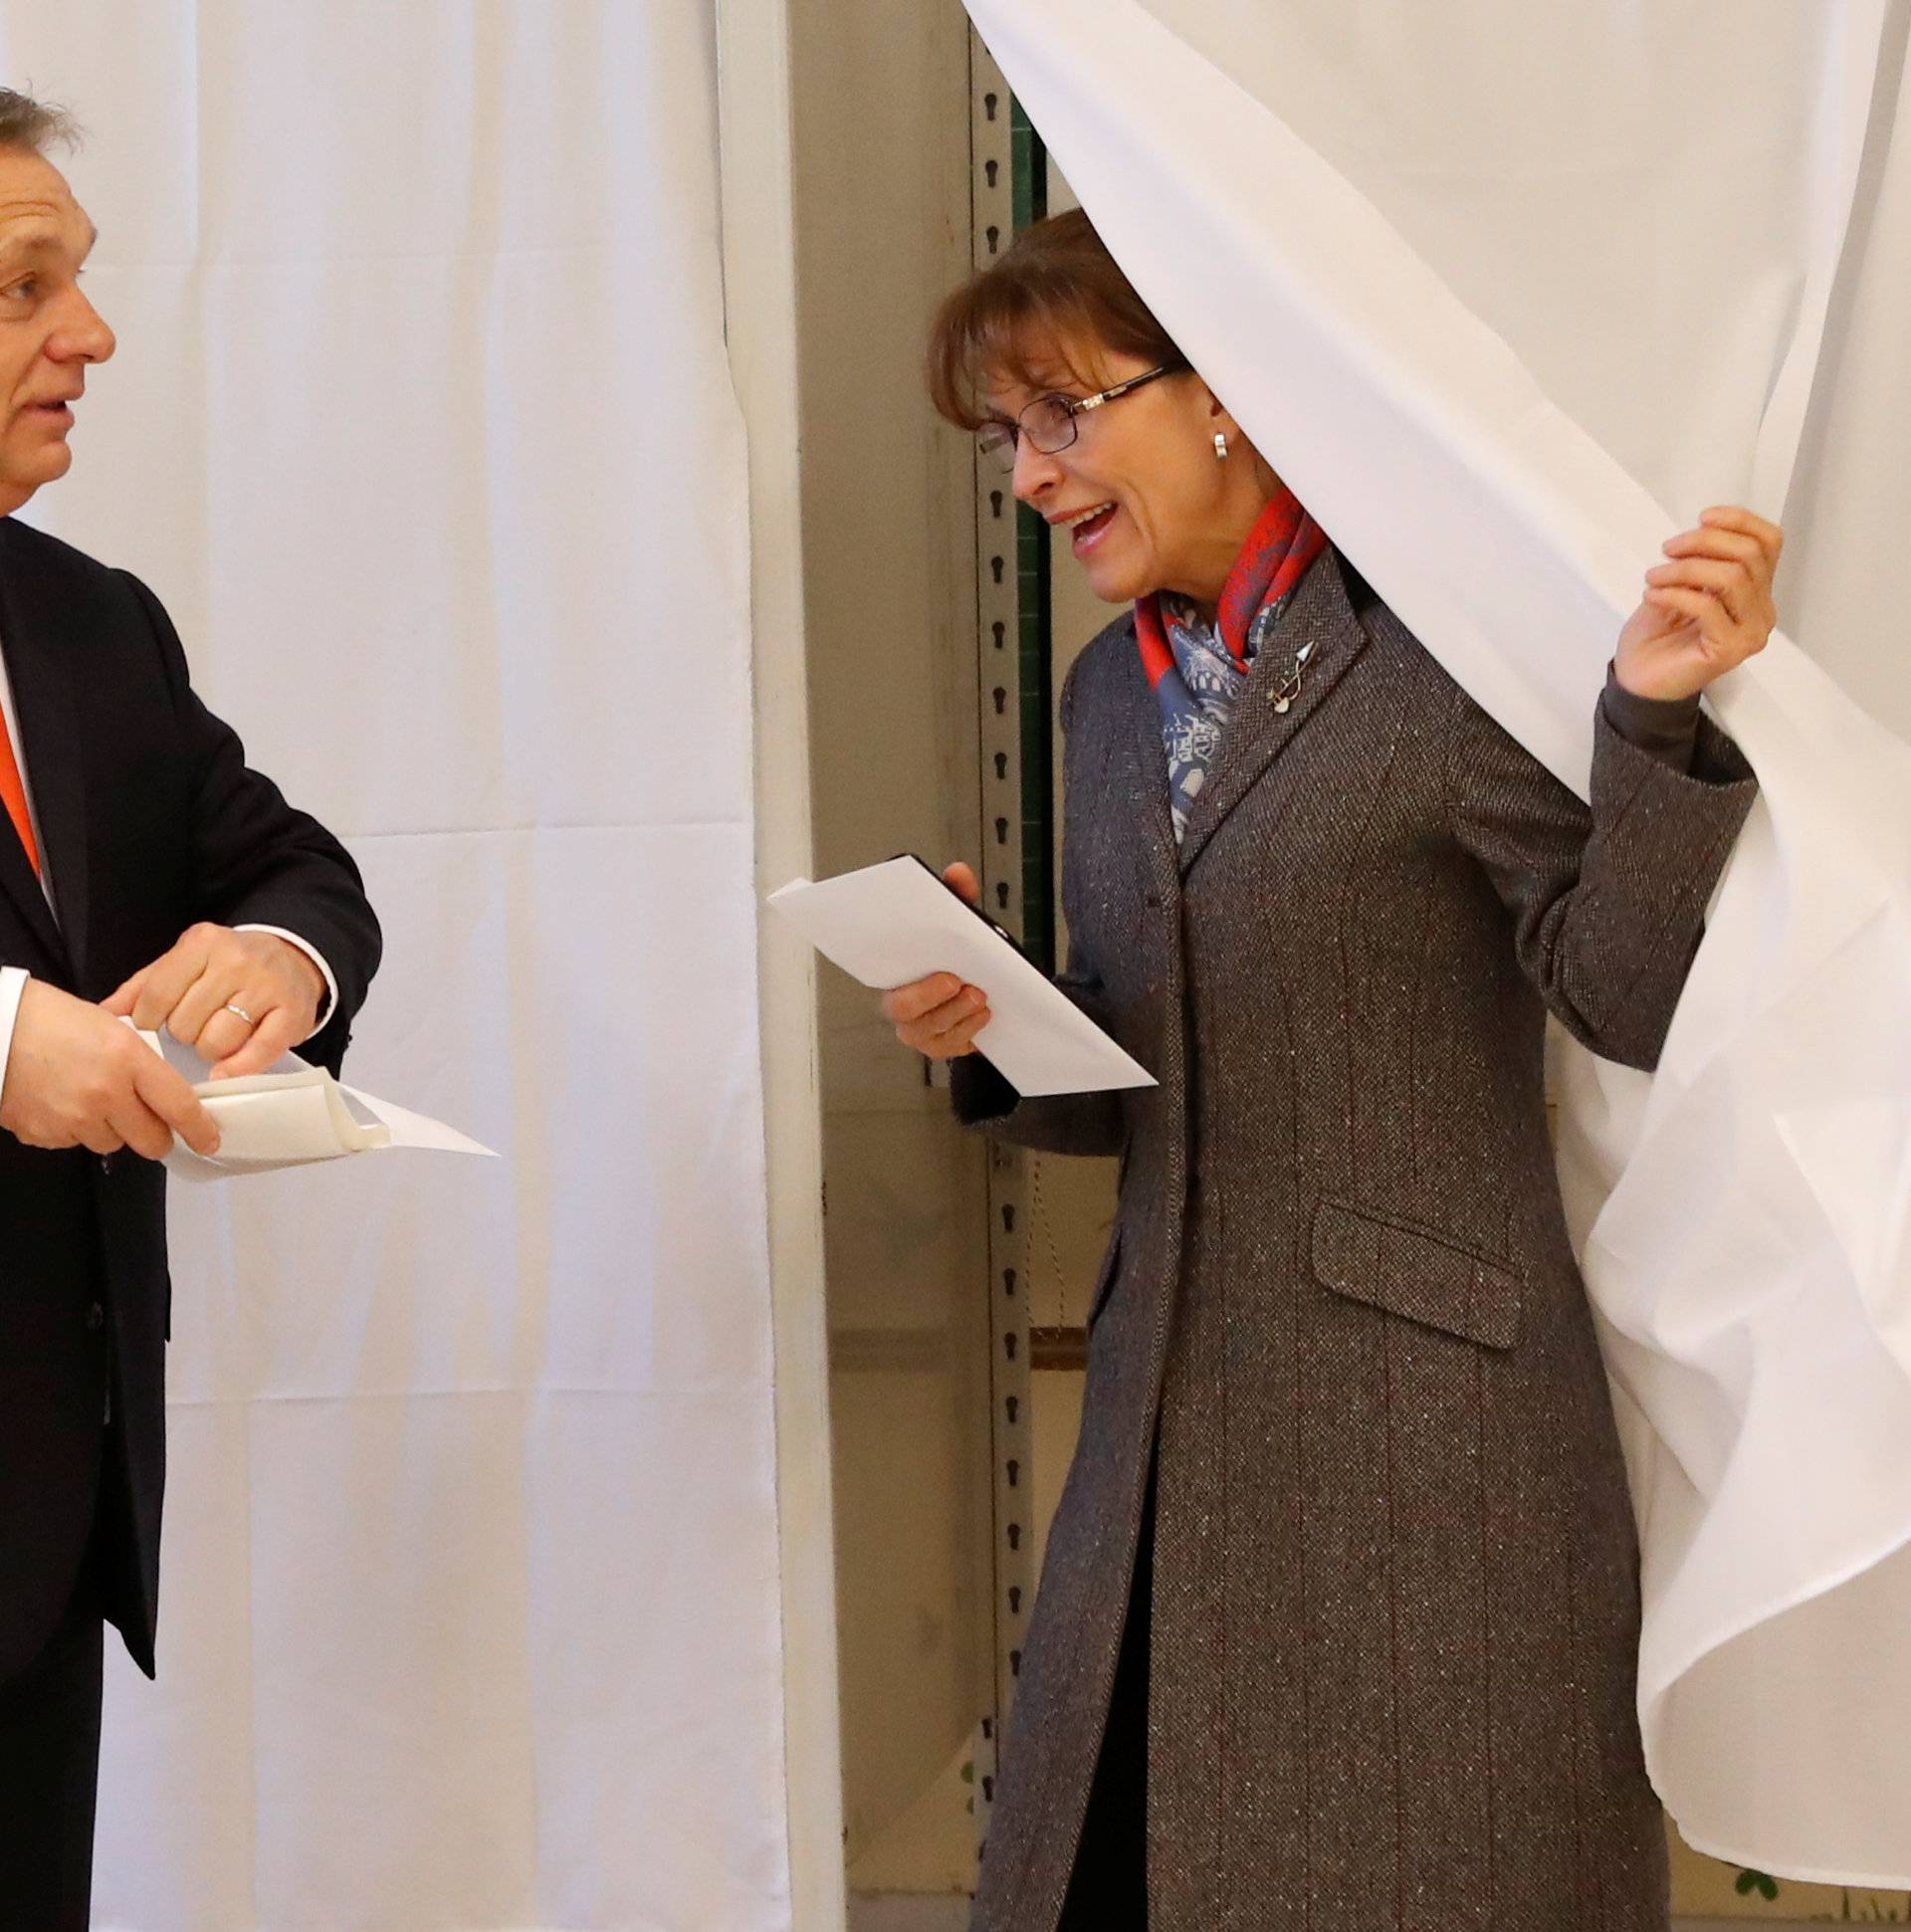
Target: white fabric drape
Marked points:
421	426
1509	296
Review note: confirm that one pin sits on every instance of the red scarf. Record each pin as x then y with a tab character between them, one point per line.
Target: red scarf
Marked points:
1272	561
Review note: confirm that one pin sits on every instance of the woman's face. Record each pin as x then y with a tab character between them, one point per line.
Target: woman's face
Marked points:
1139	495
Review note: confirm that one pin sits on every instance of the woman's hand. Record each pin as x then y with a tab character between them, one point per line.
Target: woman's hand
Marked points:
940	1015
1705	610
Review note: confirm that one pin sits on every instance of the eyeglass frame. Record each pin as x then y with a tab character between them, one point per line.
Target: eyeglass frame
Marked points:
1007	436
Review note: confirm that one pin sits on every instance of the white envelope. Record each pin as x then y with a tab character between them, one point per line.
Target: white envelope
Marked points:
292	1115
893	923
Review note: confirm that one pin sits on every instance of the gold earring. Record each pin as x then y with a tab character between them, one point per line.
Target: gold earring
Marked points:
1220	447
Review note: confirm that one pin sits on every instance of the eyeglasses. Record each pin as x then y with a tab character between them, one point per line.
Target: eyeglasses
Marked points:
1052	423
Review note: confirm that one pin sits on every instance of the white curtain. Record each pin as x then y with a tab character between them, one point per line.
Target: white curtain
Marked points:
421	426
1510	293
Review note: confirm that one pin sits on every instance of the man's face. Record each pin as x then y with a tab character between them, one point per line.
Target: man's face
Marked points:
48	330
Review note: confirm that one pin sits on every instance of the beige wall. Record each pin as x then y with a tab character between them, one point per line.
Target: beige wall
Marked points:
881	187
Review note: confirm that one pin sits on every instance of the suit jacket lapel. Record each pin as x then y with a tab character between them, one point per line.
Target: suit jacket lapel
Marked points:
50	751
1258	733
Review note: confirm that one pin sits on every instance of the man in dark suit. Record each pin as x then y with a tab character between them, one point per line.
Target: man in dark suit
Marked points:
145	874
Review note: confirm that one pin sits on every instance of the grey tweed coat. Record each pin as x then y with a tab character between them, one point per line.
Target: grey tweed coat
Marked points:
1395	1597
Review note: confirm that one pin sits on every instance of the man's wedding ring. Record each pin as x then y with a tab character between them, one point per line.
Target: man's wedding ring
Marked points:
239	1013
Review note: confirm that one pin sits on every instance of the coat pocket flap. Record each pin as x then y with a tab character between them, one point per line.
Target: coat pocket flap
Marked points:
1415	1271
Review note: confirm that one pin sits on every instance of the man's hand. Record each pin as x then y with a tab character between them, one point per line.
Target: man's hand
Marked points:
1706	609
241	999
75	1077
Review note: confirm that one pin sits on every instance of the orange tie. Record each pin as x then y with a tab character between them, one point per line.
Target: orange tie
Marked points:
14	795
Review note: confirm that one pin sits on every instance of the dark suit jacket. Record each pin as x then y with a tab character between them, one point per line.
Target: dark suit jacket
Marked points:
150	821
1395	1589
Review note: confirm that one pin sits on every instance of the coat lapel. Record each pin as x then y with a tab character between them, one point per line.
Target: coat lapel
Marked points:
51	752
1257	731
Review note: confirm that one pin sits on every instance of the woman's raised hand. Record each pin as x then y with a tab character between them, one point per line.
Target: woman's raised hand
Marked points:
1707	608
940	1015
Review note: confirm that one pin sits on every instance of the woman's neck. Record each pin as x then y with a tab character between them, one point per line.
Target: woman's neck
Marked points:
1207	572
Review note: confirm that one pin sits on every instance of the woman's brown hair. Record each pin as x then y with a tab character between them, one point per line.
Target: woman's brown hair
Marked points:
1055	292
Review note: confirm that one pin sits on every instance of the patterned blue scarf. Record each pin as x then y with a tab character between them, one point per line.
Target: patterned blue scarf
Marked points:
1200	670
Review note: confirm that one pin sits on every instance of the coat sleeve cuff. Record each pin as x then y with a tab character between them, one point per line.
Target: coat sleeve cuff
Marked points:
1666	728
329	1004
978	1092
13	982
1675	732
1672	813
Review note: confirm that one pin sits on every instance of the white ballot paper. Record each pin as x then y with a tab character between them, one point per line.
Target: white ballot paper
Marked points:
292	1115
893	923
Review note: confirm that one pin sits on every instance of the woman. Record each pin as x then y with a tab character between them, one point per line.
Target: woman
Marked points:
1337	1620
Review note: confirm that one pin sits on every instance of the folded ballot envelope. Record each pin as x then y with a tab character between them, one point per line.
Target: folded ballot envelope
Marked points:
292	1115
893	923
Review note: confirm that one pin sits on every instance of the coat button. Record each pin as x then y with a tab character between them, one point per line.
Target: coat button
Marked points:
95	1315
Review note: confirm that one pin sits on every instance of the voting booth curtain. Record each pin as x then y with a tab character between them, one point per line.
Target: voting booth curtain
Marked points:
1509	295
421	426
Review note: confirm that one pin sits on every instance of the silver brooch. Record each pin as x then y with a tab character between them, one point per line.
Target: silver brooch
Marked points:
1287	688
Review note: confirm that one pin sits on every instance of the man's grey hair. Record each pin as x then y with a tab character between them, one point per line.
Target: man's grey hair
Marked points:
35	125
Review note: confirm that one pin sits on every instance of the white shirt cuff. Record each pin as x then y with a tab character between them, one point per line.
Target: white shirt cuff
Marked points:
13	982
317	958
